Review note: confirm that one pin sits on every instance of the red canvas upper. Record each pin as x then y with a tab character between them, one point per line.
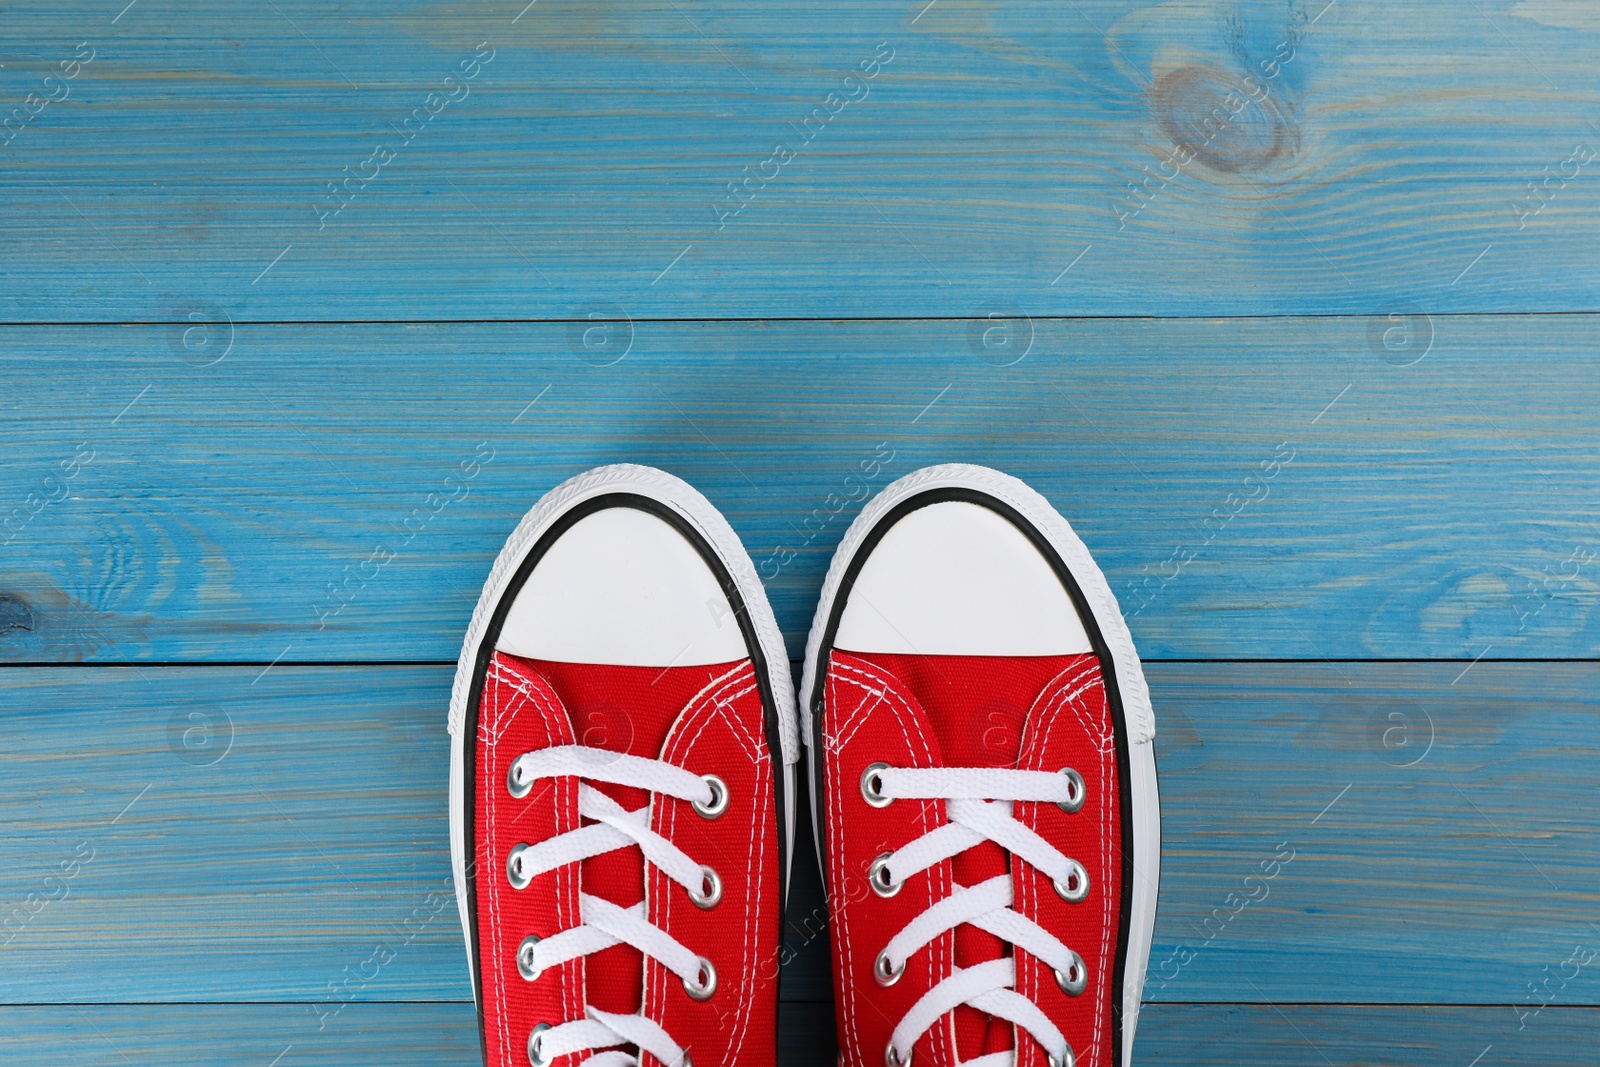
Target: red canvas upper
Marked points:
705	719
1024	712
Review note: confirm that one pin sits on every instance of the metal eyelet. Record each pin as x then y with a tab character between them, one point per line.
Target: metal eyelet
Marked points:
685	1060
713	889
535	1040
1077	792
719	798
514	783
708	982
886	974
878	877
525	957
1068	1060
872	785
514	868
1077	885
1076	978
891	1058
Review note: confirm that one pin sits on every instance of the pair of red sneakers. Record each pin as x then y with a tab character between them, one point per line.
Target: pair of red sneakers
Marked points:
623	777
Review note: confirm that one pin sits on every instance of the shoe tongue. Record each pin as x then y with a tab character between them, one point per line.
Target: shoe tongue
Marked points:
628	710
977	707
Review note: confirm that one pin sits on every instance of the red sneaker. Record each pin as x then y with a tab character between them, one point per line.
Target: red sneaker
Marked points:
621	779
979	735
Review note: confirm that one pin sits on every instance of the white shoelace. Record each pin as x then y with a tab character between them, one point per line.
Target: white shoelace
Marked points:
605	924
978	804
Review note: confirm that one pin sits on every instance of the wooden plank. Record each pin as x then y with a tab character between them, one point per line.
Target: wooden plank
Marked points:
238	837
421	1035
1374	815
382	1035
588	157
1372	1036
1256	488
306	862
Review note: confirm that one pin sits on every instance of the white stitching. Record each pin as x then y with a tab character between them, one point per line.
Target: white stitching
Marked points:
941	958
1065	695
552	715
718	705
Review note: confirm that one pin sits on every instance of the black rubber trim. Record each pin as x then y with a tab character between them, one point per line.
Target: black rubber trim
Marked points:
491	636
1097	642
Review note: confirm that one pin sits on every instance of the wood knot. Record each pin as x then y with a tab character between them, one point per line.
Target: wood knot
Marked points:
1227	123
15	613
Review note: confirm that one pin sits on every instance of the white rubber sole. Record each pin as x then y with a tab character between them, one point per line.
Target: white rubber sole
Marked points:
1137	714
703	516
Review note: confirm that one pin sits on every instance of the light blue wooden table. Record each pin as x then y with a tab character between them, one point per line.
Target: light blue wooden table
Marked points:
1289	307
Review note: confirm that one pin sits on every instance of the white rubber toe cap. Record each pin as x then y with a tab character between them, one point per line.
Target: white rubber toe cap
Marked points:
958	579
623	587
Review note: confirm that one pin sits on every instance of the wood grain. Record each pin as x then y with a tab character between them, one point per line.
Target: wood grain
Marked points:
1260	294
423	1035
260	836
1356	156
1253	488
